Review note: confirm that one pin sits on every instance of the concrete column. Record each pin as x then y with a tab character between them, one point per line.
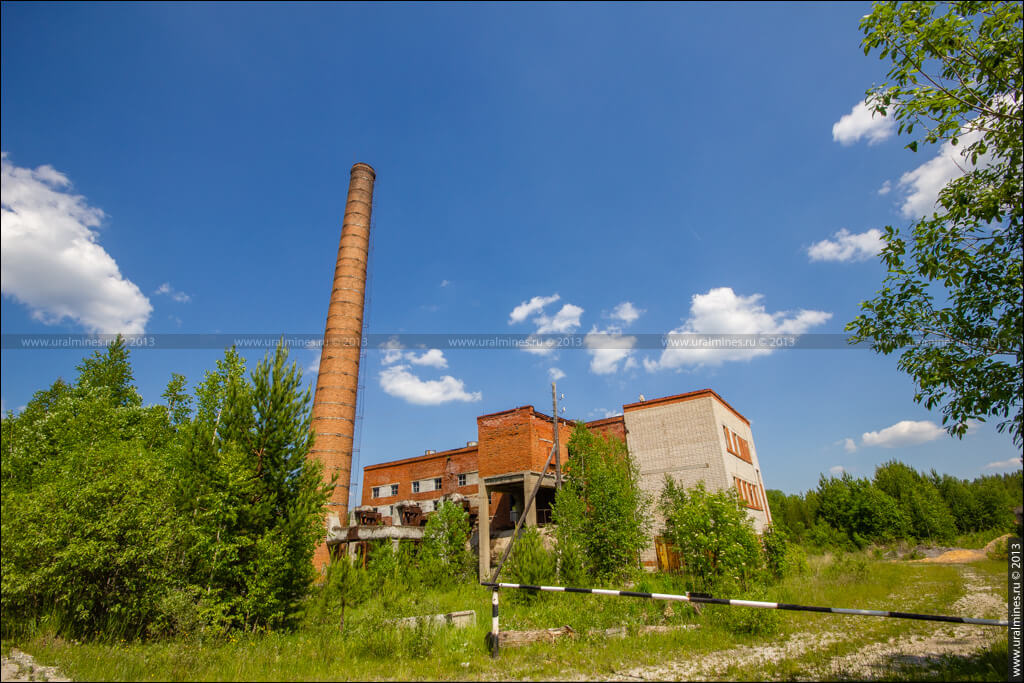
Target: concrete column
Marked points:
483	525
529	481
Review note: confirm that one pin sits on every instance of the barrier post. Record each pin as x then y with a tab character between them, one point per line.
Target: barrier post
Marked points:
494	622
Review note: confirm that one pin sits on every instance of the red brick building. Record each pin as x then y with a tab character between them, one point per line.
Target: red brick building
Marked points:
692	437
509	453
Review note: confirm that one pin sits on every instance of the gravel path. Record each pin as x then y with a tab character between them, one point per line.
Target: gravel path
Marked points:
21	667
872	662
926	651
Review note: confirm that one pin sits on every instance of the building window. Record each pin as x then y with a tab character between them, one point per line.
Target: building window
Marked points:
376	492
748	494
394	489
462	480
737	445
437	484
415	487
490	497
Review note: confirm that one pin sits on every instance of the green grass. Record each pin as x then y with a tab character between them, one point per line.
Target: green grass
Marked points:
978	539
371	650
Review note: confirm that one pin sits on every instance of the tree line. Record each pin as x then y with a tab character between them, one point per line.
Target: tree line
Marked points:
897	503
123	520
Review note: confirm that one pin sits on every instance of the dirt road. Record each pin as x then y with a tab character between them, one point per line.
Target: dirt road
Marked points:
21	667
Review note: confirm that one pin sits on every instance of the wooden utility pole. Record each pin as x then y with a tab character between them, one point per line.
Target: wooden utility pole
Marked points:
558	451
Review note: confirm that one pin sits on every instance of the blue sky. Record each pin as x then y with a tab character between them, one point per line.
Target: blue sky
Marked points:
183	168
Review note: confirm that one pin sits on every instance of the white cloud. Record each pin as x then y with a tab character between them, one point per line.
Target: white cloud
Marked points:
393	353
180	297
922	185
538	346
528	308
433	358
847	246
626	312
313	369
722	312
849	445
904	433
566	320
885	188
445	283
607	348
862	122
52	261
556	374
1011	464
398	381
836	470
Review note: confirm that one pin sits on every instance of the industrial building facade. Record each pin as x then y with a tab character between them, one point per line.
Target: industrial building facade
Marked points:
691	437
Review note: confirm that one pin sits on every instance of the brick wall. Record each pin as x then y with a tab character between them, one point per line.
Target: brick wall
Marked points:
517	440
446	464
610	426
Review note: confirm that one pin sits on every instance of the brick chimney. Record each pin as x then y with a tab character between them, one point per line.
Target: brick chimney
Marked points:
337	383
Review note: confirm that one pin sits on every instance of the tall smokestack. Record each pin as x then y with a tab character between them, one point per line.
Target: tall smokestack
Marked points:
337	383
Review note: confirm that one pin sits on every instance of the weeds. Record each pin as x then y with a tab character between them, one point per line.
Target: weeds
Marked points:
373	647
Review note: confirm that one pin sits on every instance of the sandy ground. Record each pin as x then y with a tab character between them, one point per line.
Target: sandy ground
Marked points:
963	556
21	667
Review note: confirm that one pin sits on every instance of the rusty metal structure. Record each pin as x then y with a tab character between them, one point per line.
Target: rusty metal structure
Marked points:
337	384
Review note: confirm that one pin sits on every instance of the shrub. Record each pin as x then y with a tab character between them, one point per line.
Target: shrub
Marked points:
530	562
715	539
600	511
782	558
443	555
345	585
825	537
847	569
750	621
776	548
186	613
1000	550
376	634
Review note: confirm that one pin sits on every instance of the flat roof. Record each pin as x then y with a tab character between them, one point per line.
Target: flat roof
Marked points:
534	411
678	398
420	458
605	420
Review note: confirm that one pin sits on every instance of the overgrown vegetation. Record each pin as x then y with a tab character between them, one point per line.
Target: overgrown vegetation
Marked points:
371	648
121	520
601	514
446	555
714	537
